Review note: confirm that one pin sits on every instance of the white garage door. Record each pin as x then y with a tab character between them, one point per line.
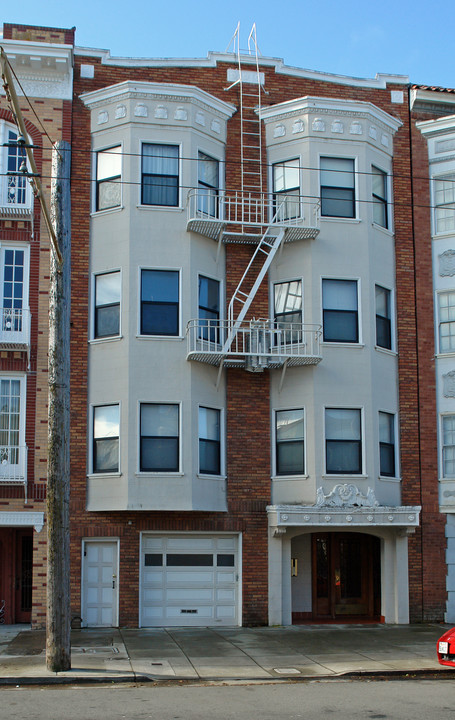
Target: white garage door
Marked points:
189	580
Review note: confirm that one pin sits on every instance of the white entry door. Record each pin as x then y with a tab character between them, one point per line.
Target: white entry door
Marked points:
100	583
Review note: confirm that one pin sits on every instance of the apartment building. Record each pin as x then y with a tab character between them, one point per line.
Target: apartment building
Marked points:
42	62
249	348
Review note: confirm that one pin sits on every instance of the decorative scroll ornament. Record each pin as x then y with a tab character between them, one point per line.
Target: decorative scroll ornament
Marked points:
337	126
346	494
141	110
120	112
356	128
298	126
447	263
318	125
161	112
279	131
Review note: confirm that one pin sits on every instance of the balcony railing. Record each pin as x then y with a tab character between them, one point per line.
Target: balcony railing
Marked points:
239	216
255	345
14	327
13	465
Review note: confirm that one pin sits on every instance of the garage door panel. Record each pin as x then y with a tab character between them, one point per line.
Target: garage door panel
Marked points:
196	583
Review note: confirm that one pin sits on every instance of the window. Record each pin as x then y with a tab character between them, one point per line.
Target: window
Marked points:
159	450
343	441
383	323
160	175
106	422
448	446
160	302
288	309
15	191
107	305
379	178
12	450
386	444
209	441
108	178
289	442
208	183
14	311
209	309
286	189
446	302
337	187
444	200
340	311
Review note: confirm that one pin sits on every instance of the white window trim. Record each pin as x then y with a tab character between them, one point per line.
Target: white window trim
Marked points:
440	353
166	208
442	476
222	473
275	476
272	284
332	343
90	444
95	151
221	166
392	350
439	176
362	474
396	439
180	335
5	126
108	338
389	205
160	473
336	218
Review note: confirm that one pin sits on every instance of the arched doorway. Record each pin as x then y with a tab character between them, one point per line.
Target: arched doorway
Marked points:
346	578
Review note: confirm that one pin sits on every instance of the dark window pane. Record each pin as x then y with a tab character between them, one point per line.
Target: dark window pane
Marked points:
160	190
182	560
337	202
387	459
159	318
383	333
105	455
290	458
340	326
159	454
107	320
209	457
225	560
153	560
343	456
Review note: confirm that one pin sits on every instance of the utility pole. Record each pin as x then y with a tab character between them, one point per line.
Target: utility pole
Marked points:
58	647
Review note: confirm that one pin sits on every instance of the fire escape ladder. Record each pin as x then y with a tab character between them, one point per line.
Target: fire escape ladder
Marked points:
268	246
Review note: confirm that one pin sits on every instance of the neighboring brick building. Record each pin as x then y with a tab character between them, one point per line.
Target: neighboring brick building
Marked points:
248	447
42	59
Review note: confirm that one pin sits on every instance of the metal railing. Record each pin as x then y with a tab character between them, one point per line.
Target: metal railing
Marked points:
273	342
14	326
252	209
13	464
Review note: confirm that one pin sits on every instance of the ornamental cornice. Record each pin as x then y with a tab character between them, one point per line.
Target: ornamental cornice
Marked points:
182	99
441	159
22	519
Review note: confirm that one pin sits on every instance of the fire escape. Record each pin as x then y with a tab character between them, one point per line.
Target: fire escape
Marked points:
266	220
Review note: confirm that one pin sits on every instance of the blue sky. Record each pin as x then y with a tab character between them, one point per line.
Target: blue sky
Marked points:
348	38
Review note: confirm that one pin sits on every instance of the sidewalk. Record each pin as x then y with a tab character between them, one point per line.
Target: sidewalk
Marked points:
217	654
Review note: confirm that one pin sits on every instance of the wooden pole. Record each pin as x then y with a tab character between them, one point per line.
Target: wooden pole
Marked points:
58	647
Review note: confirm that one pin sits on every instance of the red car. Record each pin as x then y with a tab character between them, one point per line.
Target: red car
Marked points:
445	648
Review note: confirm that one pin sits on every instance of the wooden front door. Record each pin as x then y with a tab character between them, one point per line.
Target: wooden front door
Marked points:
345	576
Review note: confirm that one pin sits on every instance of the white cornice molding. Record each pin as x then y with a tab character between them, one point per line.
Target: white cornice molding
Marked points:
438	126
45	70
333	106
431	97
22	519
158	91
214	58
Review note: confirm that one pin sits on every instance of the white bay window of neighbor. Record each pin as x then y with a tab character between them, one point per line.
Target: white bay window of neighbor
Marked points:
448	446
446	306
106	422
444	200
108	178
107	305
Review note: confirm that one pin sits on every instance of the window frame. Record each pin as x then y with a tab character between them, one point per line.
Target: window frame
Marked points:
95	277
391	446
450	175
5	128
360	442
444	474
287	191
21	430
441	324
108	179
92	464
162	206
381	318
178	304
201	185
158	471
344	188
378	200
217	334
220	441
25	247
277	442
354	313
